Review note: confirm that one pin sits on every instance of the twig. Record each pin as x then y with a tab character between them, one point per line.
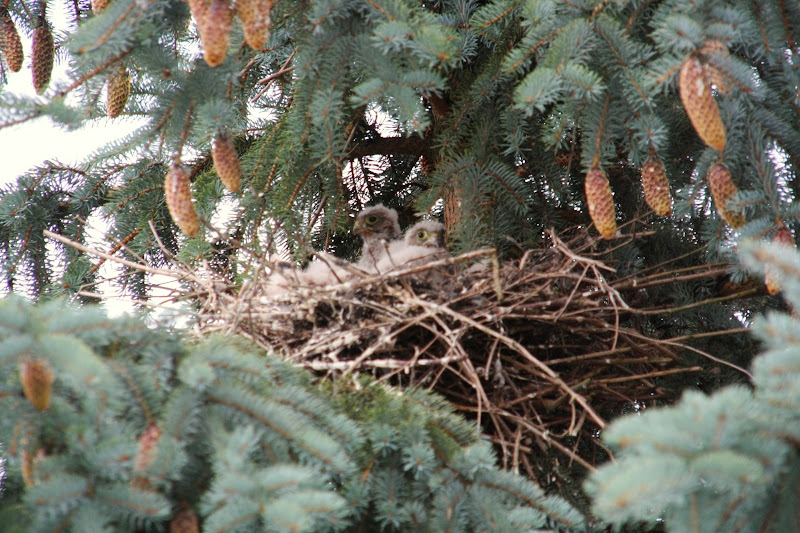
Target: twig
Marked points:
670	310
180	275
511	343
266	82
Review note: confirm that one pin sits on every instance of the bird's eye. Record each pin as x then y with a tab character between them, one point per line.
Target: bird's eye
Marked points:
372	219
422	234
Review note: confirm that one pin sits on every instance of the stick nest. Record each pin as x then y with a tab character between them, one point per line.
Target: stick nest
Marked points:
532	349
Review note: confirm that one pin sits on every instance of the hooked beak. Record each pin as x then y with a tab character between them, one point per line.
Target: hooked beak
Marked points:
432	241
359	228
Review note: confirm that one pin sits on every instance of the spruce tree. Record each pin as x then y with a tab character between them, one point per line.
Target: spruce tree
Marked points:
110	425
669	128
724	462
491	115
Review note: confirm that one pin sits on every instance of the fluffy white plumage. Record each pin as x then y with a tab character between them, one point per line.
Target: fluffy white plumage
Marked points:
284	275
326	270
423	242
377	226
382	252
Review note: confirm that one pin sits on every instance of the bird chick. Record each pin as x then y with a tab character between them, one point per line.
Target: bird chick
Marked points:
423	243
427	233
326	270
377	226
284	275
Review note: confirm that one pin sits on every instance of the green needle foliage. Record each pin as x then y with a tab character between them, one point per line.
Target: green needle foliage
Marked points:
724	462
485	114
141	425
488	113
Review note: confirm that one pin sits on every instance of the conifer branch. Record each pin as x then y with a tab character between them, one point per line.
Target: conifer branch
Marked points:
117	247
601	128
130	264
80	81
22	120
267	82
110	31
695	305
439	105
187	123
23	247
787	24
390	146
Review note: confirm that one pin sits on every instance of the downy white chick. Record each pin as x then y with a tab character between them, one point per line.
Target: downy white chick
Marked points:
326	270
423	243
377	226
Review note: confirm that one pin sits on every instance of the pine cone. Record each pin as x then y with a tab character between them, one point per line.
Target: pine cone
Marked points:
656	186
723	189
601	202
427	164
29	463
256	21
118	92
145	455
215	29
695	88
42	57
226	162
783	237
26	465
199	9
179	200
99	5
185	521
37	382
10	44
718	79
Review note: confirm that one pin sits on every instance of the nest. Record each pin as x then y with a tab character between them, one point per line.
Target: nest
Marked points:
533	349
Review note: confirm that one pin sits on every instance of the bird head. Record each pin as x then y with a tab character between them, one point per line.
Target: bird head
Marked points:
377	221
426	233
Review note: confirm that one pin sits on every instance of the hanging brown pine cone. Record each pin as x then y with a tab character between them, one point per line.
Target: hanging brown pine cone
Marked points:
26	466
36	376
718	79
656	186
199	10
179	200
42	57
695	88
783	237
226	162
214	27
145	455
99	5
600	202
10	43
118	92
256	21
185	521
722	190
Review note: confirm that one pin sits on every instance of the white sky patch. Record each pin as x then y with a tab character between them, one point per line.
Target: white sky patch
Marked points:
27	145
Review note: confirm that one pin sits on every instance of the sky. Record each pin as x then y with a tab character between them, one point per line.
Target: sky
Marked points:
27	145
